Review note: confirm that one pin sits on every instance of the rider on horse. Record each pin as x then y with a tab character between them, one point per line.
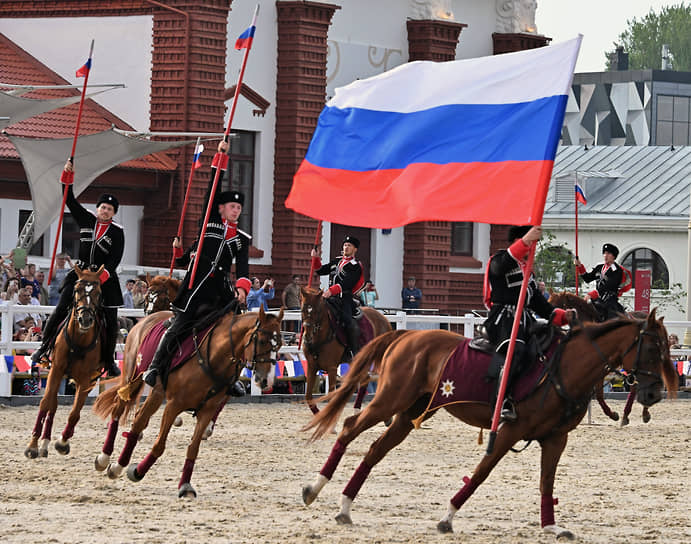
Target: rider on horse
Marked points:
101	242
503	280
211	291
609	276
347	280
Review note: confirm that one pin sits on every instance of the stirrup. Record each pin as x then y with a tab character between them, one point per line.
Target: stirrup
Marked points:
508	411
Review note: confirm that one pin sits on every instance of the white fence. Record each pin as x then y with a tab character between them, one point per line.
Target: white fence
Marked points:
399	319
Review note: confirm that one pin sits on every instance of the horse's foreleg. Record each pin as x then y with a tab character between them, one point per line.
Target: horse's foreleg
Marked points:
44	420
63	445
600	396
137	472
392	437
629	404
361	392
209	430
204	419
506	438
141	420
552	449
309	385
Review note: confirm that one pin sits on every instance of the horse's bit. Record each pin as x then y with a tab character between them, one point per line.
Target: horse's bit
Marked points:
274	344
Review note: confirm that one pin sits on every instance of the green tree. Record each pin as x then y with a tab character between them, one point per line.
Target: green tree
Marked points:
554	264
643	39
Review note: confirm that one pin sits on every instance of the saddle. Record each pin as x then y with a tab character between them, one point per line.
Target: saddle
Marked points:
366	329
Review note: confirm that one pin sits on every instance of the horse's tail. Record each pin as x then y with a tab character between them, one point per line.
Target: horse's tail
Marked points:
369	356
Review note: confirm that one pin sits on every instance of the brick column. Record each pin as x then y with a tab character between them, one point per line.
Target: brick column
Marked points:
508	43
300	98
427	245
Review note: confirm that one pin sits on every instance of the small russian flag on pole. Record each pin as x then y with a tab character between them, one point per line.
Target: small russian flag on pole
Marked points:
197	163
244	41
84	69
580	194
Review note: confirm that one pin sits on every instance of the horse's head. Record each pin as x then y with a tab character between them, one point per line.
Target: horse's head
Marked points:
87	296
313	311
261	345
649	364
565	300
162	291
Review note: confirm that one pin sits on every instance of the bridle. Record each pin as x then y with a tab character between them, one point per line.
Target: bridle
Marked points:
268	355
160	297
86	303
313	326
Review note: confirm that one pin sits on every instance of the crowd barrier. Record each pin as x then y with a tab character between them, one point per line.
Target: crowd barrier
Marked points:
291	365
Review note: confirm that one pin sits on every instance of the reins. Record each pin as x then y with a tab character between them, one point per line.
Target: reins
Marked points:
90	309
313	347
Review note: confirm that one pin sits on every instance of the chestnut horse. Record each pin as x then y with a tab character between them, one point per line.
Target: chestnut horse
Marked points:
77	355
200	384
588	314
411	363
322	349
161	293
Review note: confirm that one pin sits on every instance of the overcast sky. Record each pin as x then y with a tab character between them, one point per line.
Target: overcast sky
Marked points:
600	22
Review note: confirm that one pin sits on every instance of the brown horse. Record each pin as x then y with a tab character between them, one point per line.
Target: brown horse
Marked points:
588	314
411	364
200	384
161	293
77	355
321	346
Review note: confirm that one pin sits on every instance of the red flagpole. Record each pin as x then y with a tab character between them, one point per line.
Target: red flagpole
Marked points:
184	206
575	267
222	160
67	176
509	353
316	244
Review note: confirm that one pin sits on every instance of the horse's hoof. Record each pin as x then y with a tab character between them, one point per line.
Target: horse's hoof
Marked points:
444	527
31	453
624	421
132	473
43	452
646	417
614	416
308	495
186	490
388	422
101	462
178	421
114	471
344	519
63	448
559	532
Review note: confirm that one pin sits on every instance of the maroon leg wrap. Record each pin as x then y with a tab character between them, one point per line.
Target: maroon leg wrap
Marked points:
314	408
126	453
606	409
38	426
48	427
547	510
361	392
145	464
332	462
109	444
68	432
355	483
186	472
630	399
218	412
464	494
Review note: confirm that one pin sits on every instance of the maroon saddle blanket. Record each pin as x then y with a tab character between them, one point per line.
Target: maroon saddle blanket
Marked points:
463	379
185	350
366	329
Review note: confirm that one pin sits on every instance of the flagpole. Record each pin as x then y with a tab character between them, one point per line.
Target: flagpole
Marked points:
221	159
509	353
575	194
184	205
316	244
67	178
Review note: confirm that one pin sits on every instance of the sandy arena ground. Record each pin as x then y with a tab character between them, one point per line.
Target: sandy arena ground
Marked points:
614	485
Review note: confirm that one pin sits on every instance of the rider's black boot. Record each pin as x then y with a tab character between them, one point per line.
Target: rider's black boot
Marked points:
111	324
237	389
353	334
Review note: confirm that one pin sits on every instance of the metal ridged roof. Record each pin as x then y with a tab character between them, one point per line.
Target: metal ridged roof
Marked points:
654	181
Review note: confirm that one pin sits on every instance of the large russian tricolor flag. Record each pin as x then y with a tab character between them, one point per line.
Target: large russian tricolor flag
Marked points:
467	140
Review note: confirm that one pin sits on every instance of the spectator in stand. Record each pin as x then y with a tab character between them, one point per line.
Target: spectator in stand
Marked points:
291	294
139	294
12	291
369	294
411	296
543	289
24	298
59	273
260	293
43	292
28	279
127	294
7	271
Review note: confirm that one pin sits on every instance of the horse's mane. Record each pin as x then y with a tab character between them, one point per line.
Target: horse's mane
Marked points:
566	300
595	330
